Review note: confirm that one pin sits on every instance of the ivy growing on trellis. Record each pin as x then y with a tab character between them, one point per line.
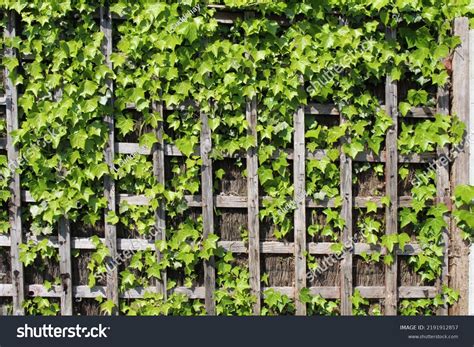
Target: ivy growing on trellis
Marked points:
215	69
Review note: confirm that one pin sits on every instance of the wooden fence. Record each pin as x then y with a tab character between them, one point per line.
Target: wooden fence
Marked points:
391	292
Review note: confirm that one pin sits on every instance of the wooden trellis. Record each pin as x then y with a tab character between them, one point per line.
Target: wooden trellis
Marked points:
391	292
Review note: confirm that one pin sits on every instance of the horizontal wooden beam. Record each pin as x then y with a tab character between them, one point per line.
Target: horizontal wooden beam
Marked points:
310	109
314	109
321	109
226	15
421	112
229	201
83	291
267	247
173	151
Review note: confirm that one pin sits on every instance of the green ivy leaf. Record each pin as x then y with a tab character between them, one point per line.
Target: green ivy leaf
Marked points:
148	140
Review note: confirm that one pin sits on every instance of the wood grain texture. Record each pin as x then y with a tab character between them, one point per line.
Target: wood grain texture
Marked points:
65	266
266	247
459	250
109	153
14	205
253	206
240	202
346	214
391	186
64	245
159	173
299	177
207	211
173	151
314	109
443	191
84	291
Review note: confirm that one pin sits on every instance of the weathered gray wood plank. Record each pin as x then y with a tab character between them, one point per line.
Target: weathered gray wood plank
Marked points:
14	205
443	191
299	177
173	151
458	262
85	291
321	109
346	214
159	173
109	153
223	201
207	211
253	205
267	247
64	245
391	186
65	266
317	109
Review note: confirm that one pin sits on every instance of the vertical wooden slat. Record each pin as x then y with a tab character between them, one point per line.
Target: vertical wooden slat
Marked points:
253	208
299	176
207	211
109	153
391	182
65	266
346	214
253	196
459	266
14	206
159	173
443	189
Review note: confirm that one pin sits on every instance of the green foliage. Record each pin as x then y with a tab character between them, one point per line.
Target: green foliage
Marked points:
233	296
155	305
41	250
97	266
427	135
317	305
464	202
276	303
361	306
156	58
39	306
332	227
427	222
428	307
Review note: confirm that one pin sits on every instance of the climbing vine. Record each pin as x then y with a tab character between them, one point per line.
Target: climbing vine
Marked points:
159	60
